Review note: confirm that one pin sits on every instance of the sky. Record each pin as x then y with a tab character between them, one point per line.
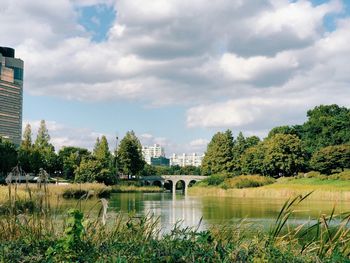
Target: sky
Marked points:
176	71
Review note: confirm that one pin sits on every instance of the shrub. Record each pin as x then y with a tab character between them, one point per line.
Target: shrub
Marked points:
246	181
216	179
74	193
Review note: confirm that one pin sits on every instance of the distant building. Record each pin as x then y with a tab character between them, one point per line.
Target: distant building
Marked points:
154	151
160	161
186	160
11	95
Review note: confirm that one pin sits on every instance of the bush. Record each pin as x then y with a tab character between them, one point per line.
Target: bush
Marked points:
313	174
246	181
215	179
74	193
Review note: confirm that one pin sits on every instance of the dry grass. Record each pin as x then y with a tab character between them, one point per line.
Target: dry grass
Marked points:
69	190
323	190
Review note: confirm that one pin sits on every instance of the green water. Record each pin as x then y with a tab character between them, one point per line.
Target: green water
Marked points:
215	210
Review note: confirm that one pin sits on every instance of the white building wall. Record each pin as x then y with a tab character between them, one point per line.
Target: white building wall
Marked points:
152	151
186	160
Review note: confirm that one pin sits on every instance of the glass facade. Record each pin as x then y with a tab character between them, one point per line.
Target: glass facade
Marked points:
11	96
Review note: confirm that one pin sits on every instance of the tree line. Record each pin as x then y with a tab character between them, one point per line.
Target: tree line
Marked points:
322	144
72	163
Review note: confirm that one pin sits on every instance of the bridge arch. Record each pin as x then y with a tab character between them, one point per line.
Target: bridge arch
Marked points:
170	182
158	183
181	184
191	183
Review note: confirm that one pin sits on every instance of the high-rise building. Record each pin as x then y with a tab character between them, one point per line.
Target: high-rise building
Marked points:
11	95
186	160
154	151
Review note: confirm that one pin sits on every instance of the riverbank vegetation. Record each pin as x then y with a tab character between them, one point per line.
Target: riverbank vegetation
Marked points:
334	187
321	144
72	191
101	236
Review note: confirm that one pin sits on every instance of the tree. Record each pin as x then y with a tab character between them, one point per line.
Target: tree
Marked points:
88	170
219	156
101	152
283	130
251	161
241	144
326	125
70	158
25	150
332	157
27	138
8	156
45	149
43	138
129	155
283	155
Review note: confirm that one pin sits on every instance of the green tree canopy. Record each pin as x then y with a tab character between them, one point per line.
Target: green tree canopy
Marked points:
8	156
331	157
219	156
101	152
129	155
251	160
70	158
25	150
326	125
44	152
241	144
283	155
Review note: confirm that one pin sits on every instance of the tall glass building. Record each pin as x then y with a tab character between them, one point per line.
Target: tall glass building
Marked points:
11	95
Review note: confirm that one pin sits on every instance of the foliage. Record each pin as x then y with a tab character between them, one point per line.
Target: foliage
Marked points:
77	238
284	130
129	155
150	170
219	157
326	125
215	179
42	153
101	152
8	156
246	181
283	155
241	144
330	158
88	170
251	161
70	158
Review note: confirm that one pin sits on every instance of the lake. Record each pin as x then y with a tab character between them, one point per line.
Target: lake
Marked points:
189	210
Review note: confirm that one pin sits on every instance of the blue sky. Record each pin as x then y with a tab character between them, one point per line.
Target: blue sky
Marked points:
175	71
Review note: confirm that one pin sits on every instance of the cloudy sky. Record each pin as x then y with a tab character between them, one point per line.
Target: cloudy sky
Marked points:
176	71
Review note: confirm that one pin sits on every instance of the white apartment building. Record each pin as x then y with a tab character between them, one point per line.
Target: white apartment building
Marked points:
152	151
186	159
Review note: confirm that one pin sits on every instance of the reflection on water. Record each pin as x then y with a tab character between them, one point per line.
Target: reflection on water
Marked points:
215	210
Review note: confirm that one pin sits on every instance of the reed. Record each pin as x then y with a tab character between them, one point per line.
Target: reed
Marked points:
98	236
324	190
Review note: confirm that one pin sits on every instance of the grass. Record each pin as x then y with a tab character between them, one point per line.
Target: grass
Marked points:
78	237
75	190
42	236
324	189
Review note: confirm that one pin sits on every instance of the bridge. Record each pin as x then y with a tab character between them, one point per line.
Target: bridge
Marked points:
172	181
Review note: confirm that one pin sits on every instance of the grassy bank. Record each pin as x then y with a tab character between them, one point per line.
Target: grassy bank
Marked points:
324	189
40	237
24	191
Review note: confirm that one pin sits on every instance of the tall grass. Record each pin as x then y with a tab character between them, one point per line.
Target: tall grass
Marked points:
97	236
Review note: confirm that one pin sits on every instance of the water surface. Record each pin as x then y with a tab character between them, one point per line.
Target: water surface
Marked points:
189	210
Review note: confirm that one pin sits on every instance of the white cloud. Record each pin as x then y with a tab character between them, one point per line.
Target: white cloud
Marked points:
244	64
248	69
64	135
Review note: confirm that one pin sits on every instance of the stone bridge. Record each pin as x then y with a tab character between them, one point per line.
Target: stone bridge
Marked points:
172	181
